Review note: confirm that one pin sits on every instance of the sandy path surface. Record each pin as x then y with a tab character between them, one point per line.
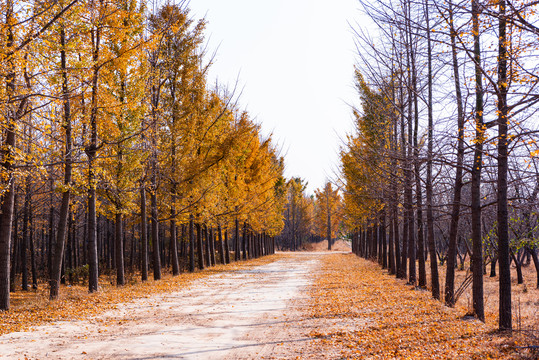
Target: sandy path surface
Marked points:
242	314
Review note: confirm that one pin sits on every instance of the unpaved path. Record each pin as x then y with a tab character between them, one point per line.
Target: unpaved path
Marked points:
232	315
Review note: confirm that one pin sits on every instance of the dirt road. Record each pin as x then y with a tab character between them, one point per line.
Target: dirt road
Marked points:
231	315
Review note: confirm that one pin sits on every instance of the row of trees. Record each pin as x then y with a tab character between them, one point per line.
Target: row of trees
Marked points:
102	105
444	158
310	218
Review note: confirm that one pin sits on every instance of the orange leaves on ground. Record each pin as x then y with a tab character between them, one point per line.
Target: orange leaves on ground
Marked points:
33	308
392	320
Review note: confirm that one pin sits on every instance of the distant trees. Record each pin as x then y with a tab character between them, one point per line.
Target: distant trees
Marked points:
310	218
104	105
328	212
298	215
409	117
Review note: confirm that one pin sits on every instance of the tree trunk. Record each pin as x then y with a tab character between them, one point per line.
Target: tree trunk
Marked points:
174	243
15	256
7	159
120	274
328	235
227	248
404	249
518	267
6	217
422	281
33	255
383	239
61	234
221	246
200	251
155	226
455	208
207	246
191	244
91	152
435	280
244	241
502	216
237	239
143	233
477	241
24	240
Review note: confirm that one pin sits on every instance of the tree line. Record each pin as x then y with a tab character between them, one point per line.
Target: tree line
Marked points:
310	218
443	162
117	155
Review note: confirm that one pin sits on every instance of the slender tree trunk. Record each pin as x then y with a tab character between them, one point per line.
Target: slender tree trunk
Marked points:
174	245
237	240
7	152
15	257
211	239
435	280
244	241
419	193
200	251
422	280
383	239
6	217
396	237
404	249
120	274
412	101
91	152
32	254
455	208
207	250
503	221
477	241
143	233
50	239
155	226
221	245
518	267
191	244
328	221
24	240
66	196
227	248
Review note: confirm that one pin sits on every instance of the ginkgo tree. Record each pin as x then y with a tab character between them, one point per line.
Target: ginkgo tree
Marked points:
328	212
103	105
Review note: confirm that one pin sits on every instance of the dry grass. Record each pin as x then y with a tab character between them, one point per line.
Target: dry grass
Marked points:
32	308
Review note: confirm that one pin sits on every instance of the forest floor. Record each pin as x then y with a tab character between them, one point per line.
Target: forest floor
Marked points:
306	305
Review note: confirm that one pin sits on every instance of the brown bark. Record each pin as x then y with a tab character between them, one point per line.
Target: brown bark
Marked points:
227	248
61	234
457	191
435	280
477	241
200	251
191	244
143	234
505	322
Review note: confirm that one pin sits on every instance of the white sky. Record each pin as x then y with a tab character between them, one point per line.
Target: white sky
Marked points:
294	61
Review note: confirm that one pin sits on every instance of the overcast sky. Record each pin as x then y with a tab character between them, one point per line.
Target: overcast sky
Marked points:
294	61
